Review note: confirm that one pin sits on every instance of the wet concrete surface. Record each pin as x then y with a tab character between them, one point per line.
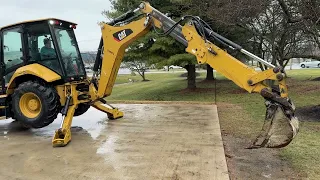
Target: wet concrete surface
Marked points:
152	141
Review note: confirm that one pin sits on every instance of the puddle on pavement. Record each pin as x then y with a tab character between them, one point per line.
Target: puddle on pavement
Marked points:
92	122
151	141
108	146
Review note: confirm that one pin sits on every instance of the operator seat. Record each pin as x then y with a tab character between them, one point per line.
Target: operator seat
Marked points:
37	56
34	52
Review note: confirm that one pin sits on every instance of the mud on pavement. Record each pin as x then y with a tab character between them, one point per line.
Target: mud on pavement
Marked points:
151	142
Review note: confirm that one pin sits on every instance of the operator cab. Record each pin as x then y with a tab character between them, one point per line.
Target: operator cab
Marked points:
49	42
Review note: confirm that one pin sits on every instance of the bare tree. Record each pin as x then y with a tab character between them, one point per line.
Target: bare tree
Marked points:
282	39
137	66
307	13
276	30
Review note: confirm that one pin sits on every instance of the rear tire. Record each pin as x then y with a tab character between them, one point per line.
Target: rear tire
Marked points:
318	65
81	109
44	108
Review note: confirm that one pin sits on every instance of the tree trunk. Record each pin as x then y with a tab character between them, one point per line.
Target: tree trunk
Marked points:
286	63
209	73
143	76
191	68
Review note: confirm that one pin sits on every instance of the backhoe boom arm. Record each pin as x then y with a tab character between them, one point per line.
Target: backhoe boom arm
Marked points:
281	125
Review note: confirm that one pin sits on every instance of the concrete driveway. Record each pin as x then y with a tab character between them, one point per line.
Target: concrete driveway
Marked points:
152	141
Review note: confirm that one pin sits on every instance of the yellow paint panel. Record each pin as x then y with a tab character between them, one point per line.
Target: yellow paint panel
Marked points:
61	92
148	9
114	51
222	62
36	70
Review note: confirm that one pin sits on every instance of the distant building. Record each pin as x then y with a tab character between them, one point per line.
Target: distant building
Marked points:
88	57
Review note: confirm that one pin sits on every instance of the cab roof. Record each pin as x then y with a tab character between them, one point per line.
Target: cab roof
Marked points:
34	21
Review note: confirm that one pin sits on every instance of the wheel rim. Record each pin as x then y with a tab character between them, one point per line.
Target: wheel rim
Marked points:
30	105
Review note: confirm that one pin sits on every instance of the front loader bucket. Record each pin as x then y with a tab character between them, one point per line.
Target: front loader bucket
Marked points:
278	129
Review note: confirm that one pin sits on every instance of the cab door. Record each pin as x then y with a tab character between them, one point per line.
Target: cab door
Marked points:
12	52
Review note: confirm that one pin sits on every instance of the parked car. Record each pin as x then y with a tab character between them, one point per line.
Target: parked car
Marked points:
175	67
165	68
310	63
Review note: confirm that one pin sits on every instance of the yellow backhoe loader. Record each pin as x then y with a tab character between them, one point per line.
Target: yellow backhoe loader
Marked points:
43	73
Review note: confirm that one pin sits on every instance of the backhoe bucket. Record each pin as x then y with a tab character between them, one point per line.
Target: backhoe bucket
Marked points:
278	130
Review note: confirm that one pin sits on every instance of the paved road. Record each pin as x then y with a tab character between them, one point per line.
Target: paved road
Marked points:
152	141
127	71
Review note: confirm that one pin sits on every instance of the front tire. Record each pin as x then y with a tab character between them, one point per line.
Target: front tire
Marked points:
303	66
318	65
35	105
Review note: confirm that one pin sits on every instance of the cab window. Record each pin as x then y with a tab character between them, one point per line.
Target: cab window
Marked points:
12	51
41	47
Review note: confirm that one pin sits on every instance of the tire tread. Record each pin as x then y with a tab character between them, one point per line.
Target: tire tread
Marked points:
51	101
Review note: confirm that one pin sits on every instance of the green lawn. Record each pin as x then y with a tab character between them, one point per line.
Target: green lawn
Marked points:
303	153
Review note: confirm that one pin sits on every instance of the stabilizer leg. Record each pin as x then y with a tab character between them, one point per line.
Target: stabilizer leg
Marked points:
63	135
113	113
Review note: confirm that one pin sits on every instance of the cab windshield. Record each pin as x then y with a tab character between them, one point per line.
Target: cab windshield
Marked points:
69	52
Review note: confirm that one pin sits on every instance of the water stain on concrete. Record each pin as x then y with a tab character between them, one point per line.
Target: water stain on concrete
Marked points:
152	141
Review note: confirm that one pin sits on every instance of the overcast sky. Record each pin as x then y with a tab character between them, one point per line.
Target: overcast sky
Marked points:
86	13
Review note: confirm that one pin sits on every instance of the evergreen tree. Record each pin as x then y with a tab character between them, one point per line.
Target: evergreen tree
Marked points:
165	51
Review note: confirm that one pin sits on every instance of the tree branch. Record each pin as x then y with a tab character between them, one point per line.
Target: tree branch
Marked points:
254	32
285	9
